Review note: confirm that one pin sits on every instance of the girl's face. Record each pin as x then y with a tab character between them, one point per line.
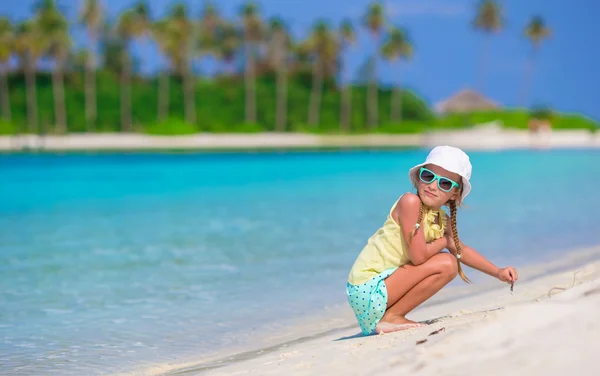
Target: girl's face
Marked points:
437	186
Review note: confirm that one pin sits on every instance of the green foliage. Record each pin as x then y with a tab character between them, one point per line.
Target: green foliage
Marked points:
219	105
220	108
7	128
408	127
171	127
570	121
541	113
508	118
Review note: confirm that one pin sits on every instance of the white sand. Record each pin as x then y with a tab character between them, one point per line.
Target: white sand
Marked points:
549	326
108	141
486	137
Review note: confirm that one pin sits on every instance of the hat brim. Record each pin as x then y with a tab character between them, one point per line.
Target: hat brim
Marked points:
413	174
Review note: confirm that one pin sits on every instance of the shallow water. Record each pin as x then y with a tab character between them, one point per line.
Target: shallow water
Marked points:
109	262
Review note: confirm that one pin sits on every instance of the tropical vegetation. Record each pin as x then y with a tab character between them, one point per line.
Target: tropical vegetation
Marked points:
266	79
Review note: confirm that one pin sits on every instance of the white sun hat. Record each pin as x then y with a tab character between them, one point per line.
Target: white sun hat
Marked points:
449	158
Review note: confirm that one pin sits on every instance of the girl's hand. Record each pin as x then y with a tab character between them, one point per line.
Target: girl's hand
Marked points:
508	274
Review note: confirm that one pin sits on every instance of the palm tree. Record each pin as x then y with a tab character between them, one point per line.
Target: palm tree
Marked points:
181	29
489	21
91	17
323	48
206	36
7	40
253	34
346	36
142	24
30	46
397	47
278	55
209	25
229	40
126	30
374	22
160	34
536	31
55	35
133	23
112	48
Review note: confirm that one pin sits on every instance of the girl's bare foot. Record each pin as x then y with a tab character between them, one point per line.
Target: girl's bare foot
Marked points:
393	323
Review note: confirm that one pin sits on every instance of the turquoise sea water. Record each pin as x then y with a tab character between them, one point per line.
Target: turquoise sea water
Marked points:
109	262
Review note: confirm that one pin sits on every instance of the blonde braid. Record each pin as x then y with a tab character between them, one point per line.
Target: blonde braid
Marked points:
457	240
418	224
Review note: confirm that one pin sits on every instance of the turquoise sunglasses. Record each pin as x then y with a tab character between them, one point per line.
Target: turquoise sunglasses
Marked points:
445	184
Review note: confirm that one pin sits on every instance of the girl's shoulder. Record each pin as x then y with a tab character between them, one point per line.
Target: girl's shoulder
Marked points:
408	202
409	198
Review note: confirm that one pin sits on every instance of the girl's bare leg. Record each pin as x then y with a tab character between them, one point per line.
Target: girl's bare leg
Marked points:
411	285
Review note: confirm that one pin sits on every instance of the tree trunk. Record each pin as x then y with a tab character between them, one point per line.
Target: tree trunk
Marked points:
125	94
372	95
345	108
314	108
282	98
5	94
31	97
60	118
281	95
90	91
528	78
483	64
163	96
396	105
188	94
250	86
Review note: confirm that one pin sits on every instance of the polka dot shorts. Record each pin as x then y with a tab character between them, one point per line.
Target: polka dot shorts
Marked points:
369	301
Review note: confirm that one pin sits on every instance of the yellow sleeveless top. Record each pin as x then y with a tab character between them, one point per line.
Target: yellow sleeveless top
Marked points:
387	248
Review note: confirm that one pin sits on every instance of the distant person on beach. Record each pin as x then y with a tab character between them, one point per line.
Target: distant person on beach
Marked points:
403	264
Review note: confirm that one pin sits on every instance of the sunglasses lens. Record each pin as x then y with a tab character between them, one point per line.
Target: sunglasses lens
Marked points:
427	176
445	184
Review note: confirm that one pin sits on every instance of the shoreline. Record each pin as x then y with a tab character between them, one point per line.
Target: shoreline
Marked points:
477	138
328	335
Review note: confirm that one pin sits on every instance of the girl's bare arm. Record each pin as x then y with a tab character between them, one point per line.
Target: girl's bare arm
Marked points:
471	257
475	260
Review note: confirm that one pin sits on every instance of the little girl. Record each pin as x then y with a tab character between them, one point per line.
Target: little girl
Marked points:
402	264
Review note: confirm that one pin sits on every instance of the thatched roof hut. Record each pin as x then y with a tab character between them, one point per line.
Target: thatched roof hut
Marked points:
465	101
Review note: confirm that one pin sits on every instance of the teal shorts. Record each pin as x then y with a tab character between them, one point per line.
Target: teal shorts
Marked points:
369	300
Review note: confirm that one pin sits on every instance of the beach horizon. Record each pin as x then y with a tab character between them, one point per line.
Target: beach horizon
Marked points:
484	137
472	329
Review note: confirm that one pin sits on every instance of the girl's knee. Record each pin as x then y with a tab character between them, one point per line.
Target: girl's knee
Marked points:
446	264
